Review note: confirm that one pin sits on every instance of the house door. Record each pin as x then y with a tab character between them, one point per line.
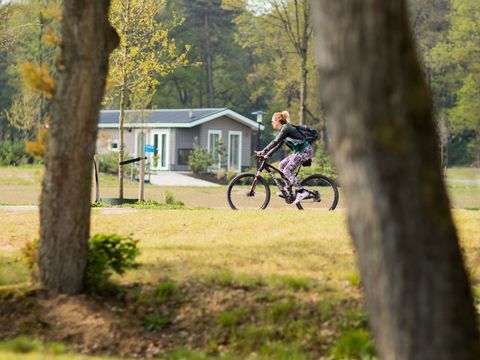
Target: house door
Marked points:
160	142
234	150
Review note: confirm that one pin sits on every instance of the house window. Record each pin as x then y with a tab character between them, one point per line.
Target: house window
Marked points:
234	150
214	139
114	145
183	155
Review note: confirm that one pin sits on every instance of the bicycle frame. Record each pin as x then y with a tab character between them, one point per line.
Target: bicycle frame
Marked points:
317	186
270	169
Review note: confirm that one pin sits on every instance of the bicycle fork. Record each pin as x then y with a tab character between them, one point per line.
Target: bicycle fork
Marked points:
251	192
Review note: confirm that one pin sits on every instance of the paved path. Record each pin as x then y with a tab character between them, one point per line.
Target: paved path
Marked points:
106	210
465	181
18	207
171	178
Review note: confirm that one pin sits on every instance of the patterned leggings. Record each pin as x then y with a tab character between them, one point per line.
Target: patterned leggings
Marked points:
292	162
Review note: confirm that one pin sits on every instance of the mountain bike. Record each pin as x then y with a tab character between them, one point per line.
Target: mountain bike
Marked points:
252	191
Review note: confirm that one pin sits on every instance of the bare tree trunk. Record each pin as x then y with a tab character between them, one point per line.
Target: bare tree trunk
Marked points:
123	101
121	121
87	40
209	61
303	89
383	137
299	31
141	179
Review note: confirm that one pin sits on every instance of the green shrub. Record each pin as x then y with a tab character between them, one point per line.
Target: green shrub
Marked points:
13	153
324	164
107	254
165	290
293	282
281	351
155	322
281	311
55	348
354	279
231	174
199	160
30	253
21	345
30	257
108	162
232	318
171	200
354	344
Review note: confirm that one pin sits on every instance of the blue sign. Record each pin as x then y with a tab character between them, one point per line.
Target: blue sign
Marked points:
149	148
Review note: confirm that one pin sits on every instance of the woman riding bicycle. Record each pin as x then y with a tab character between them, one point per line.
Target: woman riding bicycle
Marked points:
302	150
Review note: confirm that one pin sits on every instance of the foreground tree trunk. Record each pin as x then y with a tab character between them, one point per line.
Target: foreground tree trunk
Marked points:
383	139
87	40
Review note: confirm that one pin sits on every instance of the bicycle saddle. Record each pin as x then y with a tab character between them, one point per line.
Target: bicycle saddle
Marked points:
307	163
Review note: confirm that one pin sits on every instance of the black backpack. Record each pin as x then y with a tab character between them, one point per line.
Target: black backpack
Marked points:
310	134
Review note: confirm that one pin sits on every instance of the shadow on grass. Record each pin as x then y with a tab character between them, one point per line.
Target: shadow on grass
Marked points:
218	313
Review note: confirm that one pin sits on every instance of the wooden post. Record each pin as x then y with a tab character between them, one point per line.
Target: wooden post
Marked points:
141	179
96	189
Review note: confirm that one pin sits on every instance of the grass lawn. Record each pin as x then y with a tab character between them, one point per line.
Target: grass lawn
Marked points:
21	186
212	283
463	173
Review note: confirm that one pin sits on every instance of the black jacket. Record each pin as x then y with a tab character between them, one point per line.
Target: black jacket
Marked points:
290	136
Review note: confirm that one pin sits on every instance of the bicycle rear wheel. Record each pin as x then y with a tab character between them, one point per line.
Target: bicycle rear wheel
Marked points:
245	193
323	193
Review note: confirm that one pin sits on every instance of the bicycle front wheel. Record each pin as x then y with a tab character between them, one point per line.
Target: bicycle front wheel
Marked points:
323	193
245	192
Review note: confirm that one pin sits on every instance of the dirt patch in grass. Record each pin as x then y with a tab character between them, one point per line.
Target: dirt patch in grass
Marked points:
134	322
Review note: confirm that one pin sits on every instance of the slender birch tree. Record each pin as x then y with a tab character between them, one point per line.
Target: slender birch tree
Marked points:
146	52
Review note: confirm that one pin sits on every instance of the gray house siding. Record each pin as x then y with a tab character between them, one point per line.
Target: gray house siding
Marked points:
180	127
184	140
108	136
226	125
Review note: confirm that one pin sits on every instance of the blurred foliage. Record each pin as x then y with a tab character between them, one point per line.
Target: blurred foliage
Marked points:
253	63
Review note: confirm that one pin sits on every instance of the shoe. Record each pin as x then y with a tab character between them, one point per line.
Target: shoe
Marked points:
300	196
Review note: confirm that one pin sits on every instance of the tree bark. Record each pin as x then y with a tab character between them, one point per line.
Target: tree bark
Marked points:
303	89
385	147
121	135
87	40
123	99
209	63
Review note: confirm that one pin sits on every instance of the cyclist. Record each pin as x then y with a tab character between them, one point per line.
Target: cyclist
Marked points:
302	150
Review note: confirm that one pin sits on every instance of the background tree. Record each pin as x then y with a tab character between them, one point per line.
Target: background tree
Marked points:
218	78
277	34
294	17
416	288
457	57
24	111
29	65
87	39
146	51
253	64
